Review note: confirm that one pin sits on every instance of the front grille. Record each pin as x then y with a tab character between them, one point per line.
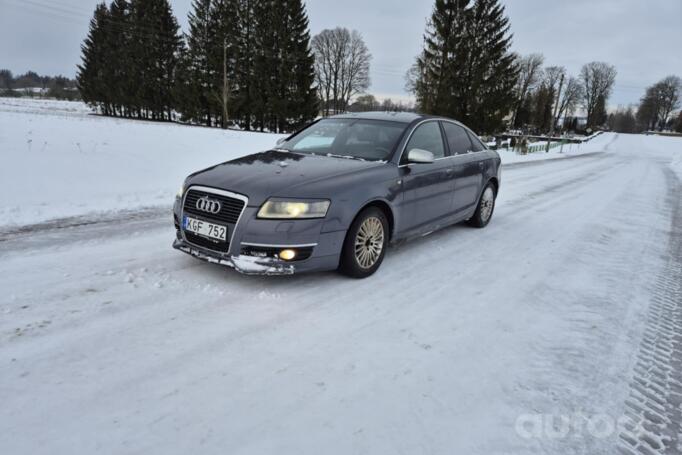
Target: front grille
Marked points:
230	209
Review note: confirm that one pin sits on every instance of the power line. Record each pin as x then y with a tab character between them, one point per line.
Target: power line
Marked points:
75	16
123	26
80	18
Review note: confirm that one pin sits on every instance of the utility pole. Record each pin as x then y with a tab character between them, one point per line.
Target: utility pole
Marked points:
226	85
556	108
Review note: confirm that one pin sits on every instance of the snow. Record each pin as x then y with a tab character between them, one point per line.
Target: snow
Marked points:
113	342
594	144
62	162
80	164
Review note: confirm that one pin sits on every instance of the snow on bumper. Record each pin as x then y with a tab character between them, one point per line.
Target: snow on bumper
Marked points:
247	265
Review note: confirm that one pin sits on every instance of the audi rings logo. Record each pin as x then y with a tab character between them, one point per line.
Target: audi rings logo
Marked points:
209	205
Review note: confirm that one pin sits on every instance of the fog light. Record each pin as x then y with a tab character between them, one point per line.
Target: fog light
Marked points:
287	255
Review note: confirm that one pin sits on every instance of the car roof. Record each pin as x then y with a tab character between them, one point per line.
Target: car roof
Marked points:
402	117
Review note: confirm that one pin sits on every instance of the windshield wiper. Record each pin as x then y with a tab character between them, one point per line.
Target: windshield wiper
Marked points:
348	157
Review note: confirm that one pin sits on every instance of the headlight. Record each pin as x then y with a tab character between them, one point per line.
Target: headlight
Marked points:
275	209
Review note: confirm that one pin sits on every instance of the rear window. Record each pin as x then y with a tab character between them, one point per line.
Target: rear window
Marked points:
476	143
458	139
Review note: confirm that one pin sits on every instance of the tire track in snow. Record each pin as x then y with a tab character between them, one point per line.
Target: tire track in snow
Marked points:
598	293
654	406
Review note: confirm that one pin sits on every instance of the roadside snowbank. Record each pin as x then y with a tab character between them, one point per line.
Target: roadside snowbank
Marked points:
58	161
597	143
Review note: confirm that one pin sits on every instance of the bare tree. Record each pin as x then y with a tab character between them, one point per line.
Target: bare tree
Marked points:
341	67
570	98
365	103
530	74
554	81
669	89
658	102
552	76
597	79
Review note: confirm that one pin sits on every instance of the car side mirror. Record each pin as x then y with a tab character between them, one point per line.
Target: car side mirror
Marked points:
420	156
281	140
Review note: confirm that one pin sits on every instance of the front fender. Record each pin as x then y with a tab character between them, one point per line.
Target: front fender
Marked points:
346	206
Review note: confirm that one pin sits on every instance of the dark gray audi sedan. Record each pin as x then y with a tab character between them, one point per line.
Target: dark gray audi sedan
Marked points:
335	194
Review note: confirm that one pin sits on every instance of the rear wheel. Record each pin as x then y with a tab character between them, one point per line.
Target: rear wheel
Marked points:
365	244
486	206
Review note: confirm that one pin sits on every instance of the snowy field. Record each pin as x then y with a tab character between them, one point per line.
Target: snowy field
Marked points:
557	329
65	162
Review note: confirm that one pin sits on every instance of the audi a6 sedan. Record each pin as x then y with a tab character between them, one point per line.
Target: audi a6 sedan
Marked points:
336	194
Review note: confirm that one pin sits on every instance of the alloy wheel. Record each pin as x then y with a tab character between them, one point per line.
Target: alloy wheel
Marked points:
369	242
487	204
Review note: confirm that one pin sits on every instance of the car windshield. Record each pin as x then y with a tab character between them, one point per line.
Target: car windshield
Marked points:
372	140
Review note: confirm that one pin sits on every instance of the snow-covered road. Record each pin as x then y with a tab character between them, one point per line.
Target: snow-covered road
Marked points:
558	329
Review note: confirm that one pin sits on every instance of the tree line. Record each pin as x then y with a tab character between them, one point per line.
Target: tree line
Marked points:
252	64
657	106
58	87
548	97
468	71
655	112
246	63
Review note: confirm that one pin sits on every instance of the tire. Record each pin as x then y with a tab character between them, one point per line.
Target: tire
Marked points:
486	207
365	245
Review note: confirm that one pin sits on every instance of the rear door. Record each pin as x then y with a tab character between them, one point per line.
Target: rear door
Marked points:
467	166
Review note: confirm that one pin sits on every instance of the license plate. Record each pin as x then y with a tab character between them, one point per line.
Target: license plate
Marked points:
204	228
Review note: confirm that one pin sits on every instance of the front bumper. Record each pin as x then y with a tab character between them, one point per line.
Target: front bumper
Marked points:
248	265
251	231
252	265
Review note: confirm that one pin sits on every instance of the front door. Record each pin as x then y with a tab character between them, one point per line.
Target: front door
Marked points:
427	187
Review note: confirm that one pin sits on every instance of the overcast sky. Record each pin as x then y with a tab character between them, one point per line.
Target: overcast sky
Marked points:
640	37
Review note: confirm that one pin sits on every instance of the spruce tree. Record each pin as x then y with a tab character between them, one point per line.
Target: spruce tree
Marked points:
155	46
443	58
493	66
195	75
222	57
91	78
301	98
118	41
284	97
466	69
269	29
245	76
169	48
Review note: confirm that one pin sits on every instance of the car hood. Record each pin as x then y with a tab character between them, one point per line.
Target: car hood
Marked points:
278	173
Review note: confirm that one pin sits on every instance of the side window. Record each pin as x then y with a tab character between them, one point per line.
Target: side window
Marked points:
476	142
458	139
427	137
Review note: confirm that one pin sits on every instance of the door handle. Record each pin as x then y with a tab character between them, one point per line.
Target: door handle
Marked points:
450	171
481	164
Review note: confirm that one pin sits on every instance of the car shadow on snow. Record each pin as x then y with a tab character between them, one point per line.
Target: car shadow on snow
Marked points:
401	252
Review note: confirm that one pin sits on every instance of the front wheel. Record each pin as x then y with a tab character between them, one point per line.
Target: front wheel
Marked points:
486	206
365	244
